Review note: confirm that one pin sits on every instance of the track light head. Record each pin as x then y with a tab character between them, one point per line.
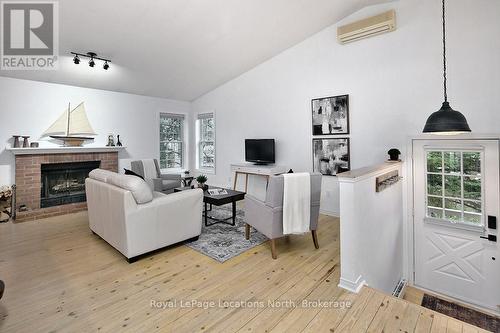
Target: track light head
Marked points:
106	66
76	60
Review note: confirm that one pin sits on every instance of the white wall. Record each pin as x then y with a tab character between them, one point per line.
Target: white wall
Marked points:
29	108
394	83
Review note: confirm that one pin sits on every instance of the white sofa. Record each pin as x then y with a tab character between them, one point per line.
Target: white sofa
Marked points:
126	213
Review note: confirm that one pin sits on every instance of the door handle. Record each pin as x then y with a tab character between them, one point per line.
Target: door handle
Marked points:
491	238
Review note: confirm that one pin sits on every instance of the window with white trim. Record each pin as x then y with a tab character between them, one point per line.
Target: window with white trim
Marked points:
455	186
171	140
205	138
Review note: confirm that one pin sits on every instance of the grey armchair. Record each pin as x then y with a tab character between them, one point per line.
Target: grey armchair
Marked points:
150	170
267	216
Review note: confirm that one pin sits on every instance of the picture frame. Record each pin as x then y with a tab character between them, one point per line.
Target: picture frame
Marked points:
330	115
331	156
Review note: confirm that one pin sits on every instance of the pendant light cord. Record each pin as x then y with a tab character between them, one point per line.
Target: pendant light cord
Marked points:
444	55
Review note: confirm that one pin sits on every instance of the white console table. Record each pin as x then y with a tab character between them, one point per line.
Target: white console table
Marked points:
255	170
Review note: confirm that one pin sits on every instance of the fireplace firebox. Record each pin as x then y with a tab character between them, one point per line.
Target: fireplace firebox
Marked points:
64	183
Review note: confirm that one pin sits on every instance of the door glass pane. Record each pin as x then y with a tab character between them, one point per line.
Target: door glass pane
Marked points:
452	186
434	161
435	184
435	202
472	163
452	216
454	204
472	206
472	218
452	162
435	213
472	188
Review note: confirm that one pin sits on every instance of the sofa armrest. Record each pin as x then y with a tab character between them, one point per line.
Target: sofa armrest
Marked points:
155	184
166	220
170	176
267	220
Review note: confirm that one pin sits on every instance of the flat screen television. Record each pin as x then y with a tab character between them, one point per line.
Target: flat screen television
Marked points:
259	151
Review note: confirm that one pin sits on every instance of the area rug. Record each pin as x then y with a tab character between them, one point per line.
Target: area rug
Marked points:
222	241
461	313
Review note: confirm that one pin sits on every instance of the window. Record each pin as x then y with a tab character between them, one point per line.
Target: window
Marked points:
171	140
205	128
454	186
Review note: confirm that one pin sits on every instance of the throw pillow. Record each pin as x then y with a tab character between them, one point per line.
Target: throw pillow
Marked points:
130	172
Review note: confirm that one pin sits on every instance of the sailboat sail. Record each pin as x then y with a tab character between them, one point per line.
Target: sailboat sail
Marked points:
74	123
60	126
79	123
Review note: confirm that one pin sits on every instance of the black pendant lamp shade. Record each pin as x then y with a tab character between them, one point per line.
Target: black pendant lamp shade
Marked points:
446	120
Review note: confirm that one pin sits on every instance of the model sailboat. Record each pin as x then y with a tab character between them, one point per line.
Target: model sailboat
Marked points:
71	127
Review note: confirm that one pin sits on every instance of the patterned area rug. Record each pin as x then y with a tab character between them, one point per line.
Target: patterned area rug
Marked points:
464	314
223	241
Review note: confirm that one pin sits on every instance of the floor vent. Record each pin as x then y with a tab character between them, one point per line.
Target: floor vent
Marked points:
399	291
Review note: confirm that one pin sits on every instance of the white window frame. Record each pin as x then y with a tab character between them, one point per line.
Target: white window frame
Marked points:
183	135
198	142
443	221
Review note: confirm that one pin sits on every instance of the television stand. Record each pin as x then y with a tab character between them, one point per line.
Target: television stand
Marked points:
255	170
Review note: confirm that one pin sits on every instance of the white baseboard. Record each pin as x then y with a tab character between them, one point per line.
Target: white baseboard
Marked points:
352	286
329	213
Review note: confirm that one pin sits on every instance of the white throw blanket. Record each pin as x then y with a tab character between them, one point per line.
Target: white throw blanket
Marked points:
149	169
296	203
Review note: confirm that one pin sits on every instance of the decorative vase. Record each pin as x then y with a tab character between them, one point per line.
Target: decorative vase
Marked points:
16	141
201	185
118	142
25	141
205	187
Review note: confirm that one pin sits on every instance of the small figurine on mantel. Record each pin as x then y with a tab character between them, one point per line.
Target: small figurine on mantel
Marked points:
394	155
111	141
118	142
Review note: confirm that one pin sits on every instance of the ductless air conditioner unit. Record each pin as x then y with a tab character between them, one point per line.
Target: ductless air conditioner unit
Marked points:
368	27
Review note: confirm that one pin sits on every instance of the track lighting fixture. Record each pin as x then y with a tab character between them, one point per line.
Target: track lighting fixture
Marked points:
93	56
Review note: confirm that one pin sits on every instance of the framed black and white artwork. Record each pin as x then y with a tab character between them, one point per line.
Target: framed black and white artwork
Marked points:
331	156
330	115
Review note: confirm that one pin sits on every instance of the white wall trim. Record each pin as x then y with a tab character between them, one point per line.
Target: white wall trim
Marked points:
352	286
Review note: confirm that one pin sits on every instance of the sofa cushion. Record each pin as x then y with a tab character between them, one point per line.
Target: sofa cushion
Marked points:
101	175
140	190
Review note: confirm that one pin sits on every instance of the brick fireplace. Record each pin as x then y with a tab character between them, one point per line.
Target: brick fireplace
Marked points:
29	180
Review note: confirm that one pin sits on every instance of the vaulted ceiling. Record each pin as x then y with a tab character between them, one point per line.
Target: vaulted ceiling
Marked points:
181	49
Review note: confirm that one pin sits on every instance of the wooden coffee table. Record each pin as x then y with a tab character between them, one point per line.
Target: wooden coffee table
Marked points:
231	197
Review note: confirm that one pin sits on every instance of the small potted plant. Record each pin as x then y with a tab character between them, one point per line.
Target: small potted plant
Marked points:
201	180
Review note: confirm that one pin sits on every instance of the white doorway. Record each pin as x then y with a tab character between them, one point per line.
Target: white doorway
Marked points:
455	199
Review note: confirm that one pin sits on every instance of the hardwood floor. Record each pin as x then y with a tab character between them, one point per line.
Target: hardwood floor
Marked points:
61	278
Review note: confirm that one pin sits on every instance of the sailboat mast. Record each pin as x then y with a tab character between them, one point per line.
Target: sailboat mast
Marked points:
69	111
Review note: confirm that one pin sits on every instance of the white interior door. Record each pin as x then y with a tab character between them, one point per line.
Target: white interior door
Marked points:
456	189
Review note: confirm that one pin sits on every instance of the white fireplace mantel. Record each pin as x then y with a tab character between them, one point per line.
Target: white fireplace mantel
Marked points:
63	150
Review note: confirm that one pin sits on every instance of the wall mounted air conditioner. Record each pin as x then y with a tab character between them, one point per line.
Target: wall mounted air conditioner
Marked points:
368	27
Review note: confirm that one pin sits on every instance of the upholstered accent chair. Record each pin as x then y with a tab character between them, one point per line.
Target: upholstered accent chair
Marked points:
150	170
267	216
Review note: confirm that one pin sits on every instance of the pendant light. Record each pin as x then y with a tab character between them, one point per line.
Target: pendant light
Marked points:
446	121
